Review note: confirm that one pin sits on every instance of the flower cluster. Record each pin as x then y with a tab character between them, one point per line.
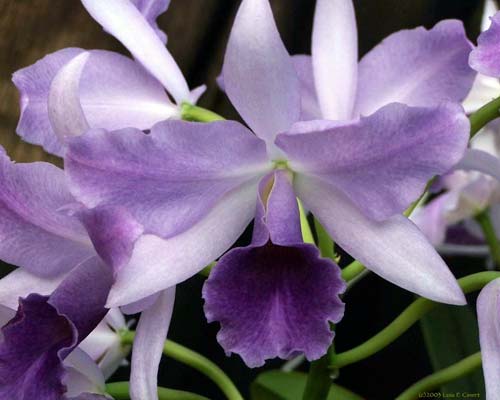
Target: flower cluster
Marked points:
147	199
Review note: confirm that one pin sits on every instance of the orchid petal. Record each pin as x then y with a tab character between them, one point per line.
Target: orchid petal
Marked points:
431	219
139	305
113	232
46	329
33	83
381	162
168	179
82	374
36	332
124	21
65	111
148	345
485	57
335	57
157	264
394	249
35	231
151	9
258	293
259	76
309	98
484	90
89	283
114	91
478	160
490	9
20	283
104	344
417	67
488	313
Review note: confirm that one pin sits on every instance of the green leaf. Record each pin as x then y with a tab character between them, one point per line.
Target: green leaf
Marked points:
279	385
451	334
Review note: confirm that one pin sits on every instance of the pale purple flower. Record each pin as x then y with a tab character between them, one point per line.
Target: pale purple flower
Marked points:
485	58
104	344
466	192
44	232
195	187
488	313
115	91
474	186
417	67
46	329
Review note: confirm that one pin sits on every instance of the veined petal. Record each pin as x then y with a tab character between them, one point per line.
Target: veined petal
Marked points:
148	345
29	363
104	346
488	314
65	111
431	219
114	92
33	83
259	76
139	305
169	179
20	283
485	57
394	249
113	232
259	293
152	9
125	22
46	329
478	160
309	99
417	67
82	375
35	231
157	264
381	162
335	57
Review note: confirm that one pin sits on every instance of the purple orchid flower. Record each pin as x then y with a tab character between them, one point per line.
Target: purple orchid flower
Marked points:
45	234
488	313
473	187
417	67
115	91
195	187
104	344
46	329
467	193
485	58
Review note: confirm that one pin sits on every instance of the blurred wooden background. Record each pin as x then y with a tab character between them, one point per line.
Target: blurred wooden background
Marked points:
197	31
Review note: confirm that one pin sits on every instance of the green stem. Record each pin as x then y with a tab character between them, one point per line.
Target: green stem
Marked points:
485	114
352	271
307	235
190	112
405	320
318	380
120	391
484	220
431	382
196	361
325	242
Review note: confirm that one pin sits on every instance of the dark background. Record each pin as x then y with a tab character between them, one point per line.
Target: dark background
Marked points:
198	31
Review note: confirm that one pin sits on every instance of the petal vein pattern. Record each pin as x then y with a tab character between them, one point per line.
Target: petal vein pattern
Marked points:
169	179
